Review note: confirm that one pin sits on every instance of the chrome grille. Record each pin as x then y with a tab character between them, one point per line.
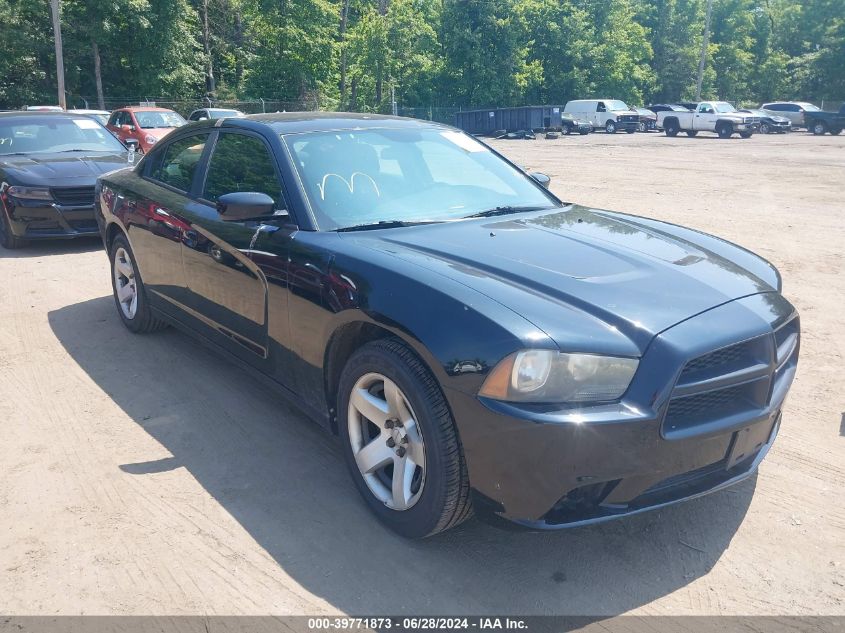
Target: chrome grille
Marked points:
74	196
737	380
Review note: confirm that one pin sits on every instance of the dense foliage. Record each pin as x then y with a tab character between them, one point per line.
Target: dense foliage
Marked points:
353	54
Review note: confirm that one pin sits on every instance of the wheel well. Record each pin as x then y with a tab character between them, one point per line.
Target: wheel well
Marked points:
670	119
112	232
342	345
724	123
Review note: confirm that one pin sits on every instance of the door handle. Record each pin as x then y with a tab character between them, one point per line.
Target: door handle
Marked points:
160	211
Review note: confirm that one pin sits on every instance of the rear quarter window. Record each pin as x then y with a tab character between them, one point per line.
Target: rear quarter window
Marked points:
177	163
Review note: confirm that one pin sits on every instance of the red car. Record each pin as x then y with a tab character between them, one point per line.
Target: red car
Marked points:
145	124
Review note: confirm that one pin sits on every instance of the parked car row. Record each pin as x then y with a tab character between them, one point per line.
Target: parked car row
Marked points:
142	125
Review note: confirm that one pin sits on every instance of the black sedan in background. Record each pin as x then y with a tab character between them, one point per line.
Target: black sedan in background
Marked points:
569	124
49	163
477	344
770	123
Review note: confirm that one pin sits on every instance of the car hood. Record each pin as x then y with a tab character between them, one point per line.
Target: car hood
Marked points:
639	277
56	170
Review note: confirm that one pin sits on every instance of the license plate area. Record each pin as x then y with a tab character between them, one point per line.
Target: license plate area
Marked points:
749	440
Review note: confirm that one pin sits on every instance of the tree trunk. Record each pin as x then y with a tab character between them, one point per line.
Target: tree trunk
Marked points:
382	9
239	44
206	45
353	96
98	76
56	7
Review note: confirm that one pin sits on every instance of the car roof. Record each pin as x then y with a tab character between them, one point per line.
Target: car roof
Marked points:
145	109
297	122
35	114
83	111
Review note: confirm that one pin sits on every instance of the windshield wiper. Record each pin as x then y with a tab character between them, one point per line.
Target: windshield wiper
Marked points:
505	210
385	224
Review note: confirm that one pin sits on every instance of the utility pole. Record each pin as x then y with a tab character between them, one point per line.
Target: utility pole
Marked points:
210	87
705	42
56	8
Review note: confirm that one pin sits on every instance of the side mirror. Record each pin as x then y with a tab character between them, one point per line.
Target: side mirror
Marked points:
541	178
244	205
131	144
127	128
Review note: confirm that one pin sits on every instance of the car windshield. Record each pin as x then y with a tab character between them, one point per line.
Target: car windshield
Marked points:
723	107
809	107
43	134
149	119
355	177
615	106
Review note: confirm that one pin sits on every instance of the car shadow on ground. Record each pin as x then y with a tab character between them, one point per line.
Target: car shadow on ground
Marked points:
47	248
283	479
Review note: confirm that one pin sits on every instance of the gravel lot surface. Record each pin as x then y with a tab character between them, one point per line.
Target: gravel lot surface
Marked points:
144	475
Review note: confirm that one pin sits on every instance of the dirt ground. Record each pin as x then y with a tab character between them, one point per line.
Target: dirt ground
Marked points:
144	475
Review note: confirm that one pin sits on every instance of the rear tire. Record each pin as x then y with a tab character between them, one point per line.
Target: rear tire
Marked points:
409	405
130	296
836	131
819	128
725	130
8	239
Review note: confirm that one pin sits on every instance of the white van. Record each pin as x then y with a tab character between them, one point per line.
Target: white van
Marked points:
610	114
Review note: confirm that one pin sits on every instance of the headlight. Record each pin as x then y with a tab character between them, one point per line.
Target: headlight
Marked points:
538	375
30	193
152	140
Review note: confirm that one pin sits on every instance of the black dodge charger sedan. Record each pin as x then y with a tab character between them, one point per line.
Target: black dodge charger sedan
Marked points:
49	163
477	344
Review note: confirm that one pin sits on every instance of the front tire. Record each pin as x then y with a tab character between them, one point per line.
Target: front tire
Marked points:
725	130
130	296
746	134
765	129
692	133
671	128
836	131
400	441
610	127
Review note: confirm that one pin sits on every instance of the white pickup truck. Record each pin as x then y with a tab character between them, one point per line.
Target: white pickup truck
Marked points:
709	116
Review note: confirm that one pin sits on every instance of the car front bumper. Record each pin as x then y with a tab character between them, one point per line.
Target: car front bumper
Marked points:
627	125
542	467
33	220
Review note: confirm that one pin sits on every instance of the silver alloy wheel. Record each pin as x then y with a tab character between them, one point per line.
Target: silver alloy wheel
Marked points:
386	441
124	283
